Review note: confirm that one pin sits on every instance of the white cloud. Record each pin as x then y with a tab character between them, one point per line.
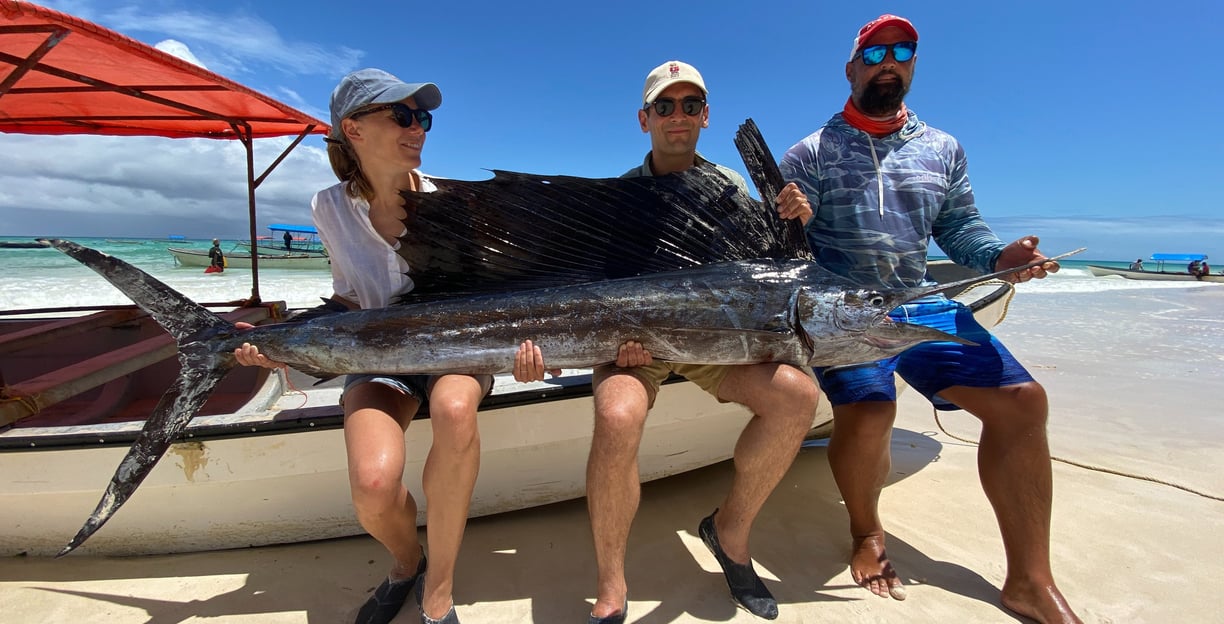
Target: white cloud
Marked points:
235	44
136	186
1117	238
180	50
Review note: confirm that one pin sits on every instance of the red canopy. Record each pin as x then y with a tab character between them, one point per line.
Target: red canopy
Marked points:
62	75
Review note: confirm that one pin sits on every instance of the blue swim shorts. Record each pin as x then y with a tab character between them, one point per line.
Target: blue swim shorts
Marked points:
929	367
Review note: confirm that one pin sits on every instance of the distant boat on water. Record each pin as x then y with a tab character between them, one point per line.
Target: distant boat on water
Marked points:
242	260
1160	274
294	239
302	250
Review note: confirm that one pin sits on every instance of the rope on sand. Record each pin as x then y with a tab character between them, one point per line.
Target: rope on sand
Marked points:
1091	467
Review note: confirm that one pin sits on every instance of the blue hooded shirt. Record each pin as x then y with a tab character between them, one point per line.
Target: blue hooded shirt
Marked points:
877	202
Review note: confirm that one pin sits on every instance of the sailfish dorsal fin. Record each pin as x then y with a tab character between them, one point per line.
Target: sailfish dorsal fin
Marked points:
519	231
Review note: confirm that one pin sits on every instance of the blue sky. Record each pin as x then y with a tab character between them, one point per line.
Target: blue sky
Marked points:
1086	123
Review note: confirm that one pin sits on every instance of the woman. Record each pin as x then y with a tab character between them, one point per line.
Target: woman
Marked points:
378	132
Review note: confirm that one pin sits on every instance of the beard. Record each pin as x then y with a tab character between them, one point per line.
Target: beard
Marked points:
885	98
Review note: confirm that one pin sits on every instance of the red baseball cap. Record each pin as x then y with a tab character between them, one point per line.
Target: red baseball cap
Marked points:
878	24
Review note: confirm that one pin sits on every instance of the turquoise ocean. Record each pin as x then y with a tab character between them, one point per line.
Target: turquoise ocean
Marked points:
41	278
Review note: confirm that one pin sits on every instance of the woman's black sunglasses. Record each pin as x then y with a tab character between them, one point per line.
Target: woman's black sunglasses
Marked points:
402	115
691	105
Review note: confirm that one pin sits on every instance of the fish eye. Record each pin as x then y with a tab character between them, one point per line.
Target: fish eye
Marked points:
876	300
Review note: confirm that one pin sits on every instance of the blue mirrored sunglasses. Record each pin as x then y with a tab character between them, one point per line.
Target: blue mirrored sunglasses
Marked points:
903	51
402	115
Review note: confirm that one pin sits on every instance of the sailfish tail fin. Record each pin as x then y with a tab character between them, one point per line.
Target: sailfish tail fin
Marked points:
175	409
201	369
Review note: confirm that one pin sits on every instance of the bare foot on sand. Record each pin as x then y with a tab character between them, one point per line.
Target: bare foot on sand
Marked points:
1040	602
870	567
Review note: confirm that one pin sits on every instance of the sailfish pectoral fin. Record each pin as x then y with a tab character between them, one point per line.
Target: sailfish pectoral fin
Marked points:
171	416
716	345
901	336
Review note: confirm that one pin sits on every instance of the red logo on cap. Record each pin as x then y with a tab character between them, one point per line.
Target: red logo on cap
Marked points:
674	69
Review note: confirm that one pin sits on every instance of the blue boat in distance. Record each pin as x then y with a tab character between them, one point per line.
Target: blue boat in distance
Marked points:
288	247
1176	272
1178	257
288	238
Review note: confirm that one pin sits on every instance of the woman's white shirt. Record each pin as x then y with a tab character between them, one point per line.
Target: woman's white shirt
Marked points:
365	268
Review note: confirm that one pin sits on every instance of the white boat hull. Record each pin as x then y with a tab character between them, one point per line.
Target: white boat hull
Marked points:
247	490
197	258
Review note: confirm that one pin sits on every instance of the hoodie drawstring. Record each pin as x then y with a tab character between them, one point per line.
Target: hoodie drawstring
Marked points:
879	175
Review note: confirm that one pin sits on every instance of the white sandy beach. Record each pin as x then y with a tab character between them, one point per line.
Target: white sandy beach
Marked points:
1124	550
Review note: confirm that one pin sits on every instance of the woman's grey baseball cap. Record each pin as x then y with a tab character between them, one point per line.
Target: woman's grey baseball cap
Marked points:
375	86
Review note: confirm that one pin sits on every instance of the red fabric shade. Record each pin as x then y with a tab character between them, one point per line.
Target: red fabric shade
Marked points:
62	75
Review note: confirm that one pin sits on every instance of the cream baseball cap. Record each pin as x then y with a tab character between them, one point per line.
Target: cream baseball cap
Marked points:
667	75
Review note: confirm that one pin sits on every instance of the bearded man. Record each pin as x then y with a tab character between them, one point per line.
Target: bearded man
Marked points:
881	184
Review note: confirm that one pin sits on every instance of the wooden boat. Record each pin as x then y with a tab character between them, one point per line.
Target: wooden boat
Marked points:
264	461
1101	271
242	260
1161	274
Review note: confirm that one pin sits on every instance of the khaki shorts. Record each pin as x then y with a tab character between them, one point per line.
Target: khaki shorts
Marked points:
708	376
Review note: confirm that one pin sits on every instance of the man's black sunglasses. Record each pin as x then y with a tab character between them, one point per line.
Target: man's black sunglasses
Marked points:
402	115
691	105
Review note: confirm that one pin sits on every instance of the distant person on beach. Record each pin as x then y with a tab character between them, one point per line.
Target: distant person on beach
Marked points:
288	241
1137	265
882	183
674	112
216	258
379	126
1197	268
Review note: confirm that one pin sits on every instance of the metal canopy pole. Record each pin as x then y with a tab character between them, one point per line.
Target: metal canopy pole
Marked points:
244	134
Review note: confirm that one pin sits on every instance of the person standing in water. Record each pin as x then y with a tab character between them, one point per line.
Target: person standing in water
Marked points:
216	258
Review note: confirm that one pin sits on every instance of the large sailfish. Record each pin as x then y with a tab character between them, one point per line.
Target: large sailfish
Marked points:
687	264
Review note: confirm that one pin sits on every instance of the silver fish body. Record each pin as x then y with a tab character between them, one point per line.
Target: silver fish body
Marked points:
738	312
702	294
742	312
